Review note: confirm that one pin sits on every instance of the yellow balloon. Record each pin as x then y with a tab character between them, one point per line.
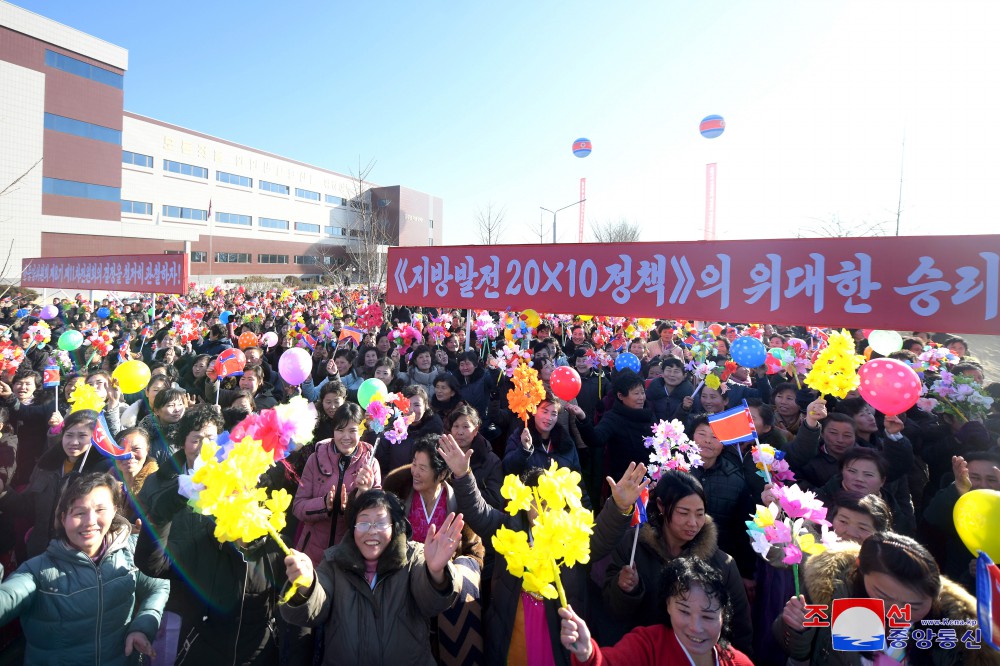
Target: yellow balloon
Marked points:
531	318
977	515
132	376
585	317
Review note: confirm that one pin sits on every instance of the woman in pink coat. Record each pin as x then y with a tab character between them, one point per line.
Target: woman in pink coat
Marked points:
340	467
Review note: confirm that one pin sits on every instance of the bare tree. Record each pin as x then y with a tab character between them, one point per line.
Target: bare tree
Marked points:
540	229
616	231
336	268
7	282
491	223
368	234
837	228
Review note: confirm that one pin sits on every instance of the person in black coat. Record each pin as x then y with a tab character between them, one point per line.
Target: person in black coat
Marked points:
29	418
477	384
217	341
665	393
618	438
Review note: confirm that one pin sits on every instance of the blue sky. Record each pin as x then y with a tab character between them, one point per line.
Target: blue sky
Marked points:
480	102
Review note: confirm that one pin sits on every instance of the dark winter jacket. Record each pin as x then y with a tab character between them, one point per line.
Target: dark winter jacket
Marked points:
594	385
644	606
31	425
559	447
728	502
213	347
621	433
74	611
665	402
477	389
161	438
8	460
389	624
226	595
393	456
506	589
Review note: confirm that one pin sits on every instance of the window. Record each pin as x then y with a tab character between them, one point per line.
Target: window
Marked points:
138	159
233	179
271	223
307	261
232	257
309	228
335	200
335	231
233	218
80	128
306	194
84	69
185	213
137	207
273	187
72	188
185	169
199	257
272	258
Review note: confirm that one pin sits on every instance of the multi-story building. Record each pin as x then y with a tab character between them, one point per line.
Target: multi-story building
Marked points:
80	176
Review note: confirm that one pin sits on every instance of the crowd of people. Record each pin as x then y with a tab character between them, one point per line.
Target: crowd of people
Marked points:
393	557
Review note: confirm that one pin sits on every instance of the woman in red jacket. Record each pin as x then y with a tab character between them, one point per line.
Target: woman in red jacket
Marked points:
698	612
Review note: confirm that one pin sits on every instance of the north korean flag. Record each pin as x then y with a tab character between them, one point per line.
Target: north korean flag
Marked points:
50	378
105	443
639	515
988	599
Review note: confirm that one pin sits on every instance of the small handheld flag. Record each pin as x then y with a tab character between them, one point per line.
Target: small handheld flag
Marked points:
734	426
105	443
123	350
638	518
50	378
350	333
988	600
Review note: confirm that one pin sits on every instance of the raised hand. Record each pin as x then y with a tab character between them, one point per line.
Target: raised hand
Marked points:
365	479
816	412
457	459
526	439
893	425
961	470
440	545
574	634
628	579
5	390
299	569
627	490
794	613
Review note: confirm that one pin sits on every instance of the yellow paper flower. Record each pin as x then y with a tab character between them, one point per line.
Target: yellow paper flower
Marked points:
808	544
765	515
712	381
518	495
84	396
514	547
835	369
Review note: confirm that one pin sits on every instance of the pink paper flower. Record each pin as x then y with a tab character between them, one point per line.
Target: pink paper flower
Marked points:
792	554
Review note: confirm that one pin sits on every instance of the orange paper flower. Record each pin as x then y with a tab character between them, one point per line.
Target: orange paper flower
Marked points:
528	391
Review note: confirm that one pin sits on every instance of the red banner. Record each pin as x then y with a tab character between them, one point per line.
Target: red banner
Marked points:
939	283
158	273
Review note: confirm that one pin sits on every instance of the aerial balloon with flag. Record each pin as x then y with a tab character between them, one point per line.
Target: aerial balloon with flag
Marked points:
712	126
582	147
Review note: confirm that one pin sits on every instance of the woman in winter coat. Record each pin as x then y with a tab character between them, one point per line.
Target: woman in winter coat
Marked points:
421	370
447	395
83	601
464	429
168	409
477	385
425	422
421	486
376	592
143	407
696	630
134	471
665	393
226	594
865	471
340	467
29	415
543	441
678	526
512	610
57	467
886	566
620	434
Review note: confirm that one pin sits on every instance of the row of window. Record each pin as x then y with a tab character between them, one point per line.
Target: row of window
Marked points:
83	129
137	207
244	258
185	213
138	159
72	188
233	218
84	69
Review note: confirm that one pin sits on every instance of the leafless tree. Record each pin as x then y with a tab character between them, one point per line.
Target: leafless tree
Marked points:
834	227
369	234
7	281
616	231
540	229
490	220
336	268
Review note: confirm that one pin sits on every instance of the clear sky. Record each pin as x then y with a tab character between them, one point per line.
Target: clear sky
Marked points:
478	102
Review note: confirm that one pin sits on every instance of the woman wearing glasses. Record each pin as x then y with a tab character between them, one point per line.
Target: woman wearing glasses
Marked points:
375	594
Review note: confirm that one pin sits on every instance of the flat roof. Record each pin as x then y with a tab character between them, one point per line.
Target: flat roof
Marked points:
45	29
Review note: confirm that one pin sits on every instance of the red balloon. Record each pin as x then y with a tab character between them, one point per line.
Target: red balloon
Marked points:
565	383
888	385
230	363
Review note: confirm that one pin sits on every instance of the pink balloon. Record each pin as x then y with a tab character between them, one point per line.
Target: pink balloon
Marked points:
294	366
888	385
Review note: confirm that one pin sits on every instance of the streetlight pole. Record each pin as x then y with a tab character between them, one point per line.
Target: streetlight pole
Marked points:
554	212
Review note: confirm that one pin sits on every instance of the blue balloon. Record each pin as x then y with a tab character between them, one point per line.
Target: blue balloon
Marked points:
23	312
224	316
103	313
627	361
748	352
